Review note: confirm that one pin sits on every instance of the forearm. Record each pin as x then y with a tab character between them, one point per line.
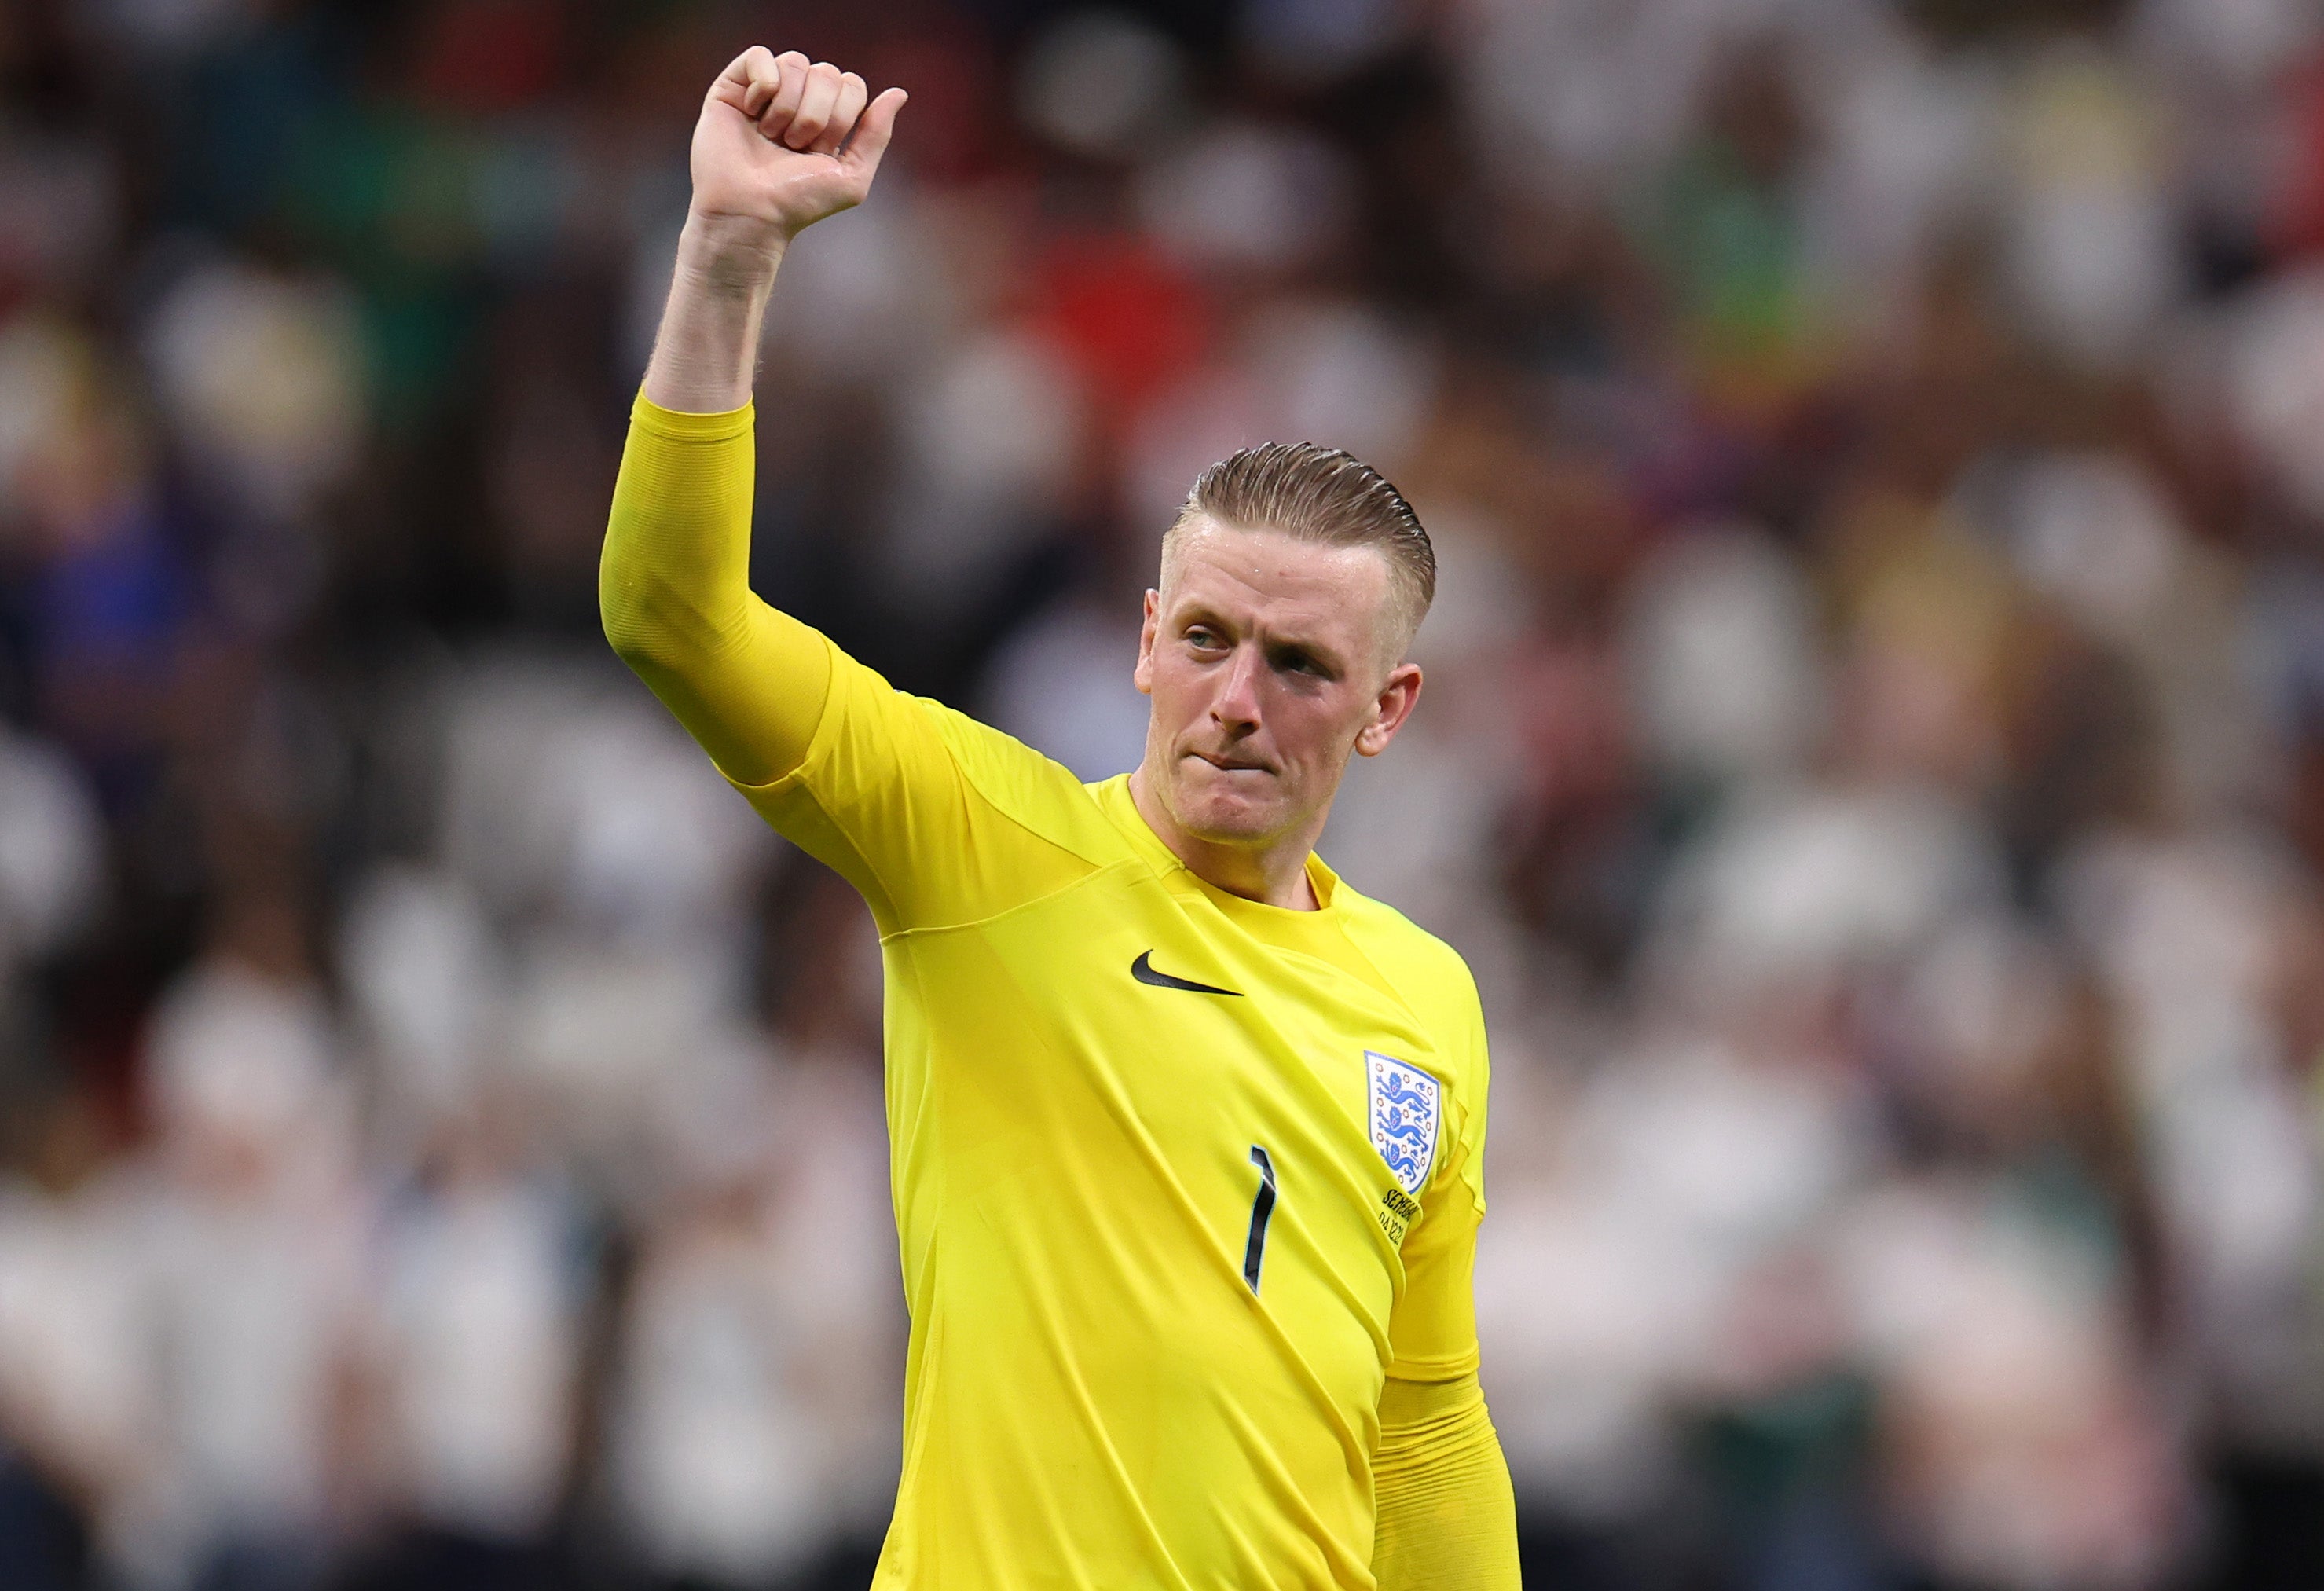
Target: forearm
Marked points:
673	590
705	355
780	143
1446	1515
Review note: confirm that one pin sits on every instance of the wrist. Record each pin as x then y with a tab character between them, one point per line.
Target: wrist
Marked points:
732	255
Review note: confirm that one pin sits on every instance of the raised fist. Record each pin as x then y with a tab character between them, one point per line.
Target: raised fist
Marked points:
782	143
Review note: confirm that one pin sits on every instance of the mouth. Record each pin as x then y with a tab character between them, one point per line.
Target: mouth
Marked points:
1231	764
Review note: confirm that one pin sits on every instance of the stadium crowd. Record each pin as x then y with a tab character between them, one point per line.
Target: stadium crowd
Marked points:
1872	753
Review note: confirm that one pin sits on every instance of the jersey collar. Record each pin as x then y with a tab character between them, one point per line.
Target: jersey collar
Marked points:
1286	926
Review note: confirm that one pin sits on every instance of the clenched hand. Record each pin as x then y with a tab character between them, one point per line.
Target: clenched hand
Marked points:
782	143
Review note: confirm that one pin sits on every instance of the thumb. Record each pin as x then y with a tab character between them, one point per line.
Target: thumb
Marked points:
868	139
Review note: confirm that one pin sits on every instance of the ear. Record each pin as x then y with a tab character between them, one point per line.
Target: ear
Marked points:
1143	675
1394	705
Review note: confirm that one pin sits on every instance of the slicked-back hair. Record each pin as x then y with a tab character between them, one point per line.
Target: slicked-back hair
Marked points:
1326	495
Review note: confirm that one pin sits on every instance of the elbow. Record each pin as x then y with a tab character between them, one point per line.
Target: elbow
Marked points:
622	619
626	637
633	648
632	629
647	652
655	628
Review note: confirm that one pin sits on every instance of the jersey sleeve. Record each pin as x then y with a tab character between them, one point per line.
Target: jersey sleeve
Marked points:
935	818
1447	1515
674	594
938	819
1433	1329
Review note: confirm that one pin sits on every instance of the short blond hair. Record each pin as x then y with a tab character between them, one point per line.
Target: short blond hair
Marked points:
1325	496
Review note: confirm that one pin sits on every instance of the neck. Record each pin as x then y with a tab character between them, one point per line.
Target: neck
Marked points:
1274	874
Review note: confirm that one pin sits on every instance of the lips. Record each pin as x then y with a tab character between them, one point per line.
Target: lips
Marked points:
1229	766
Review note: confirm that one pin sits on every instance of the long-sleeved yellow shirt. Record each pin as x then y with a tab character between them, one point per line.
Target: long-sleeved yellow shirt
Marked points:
1187	1186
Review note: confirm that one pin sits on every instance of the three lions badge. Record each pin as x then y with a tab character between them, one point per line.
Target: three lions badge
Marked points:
1404	1116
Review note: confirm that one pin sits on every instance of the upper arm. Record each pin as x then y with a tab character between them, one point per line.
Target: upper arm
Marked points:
1433	1329
752	701
935	818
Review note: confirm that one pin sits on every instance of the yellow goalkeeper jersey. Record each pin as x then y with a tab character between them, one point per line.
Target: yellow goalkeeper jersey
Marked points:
1179	1177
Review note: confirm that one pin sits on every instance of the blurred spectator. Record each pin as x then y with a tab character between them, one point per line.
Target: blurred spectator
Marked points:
75	1394
253	1228
480	1358
746	1443
1063	683
52	853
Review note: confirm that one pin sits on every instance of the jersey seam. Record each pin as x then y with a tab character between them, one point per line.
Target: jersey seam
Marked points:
1394	989
1432	1381
818	745
930	929
1443	1368
818	751
968	777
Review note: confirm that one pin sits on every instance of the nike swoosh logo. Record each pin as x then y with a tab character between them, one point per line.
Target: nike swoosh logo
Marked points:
1142	969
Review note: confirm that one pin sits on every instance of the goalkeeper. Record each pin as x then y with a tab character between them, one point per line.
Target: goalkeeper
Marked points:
1187	1133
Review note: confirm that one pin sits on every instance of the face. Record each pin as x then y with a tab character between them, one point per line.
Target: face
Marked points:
1264	660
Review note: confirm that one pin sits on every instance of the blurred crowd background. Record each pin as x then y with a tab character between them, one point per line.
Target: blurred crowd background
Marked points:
1873	750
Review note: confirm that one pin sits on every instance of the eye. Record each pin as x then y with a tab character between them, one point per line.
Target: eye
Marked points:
1203	638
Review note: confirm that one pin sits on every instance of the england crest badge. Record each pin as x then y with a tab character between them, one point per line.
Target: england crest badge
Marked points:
1404	1116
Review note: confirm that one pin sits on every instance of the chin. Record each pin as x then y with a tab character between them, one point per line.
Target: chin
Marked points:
1227	816
1222	825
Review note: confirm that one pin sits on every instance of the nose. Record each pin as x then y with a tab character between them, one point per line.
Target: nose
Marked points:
1235	708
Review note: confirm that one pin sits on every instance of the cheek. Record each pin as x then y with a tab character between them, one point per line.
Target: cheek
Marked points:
1175	690
1298	731
1319	732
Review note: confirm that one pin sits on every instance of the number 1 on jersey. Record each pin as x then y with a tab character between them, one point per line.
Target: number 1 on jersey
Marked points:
1262	1205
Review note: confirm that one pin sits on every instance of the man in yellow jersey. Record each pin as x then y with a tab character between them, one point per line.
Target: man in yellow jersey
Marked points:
1187	1133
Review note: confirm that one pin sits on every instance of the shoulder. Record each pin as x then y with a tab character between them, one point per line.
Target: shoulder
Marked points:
1433	977
1435	981
1021	783
995	759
